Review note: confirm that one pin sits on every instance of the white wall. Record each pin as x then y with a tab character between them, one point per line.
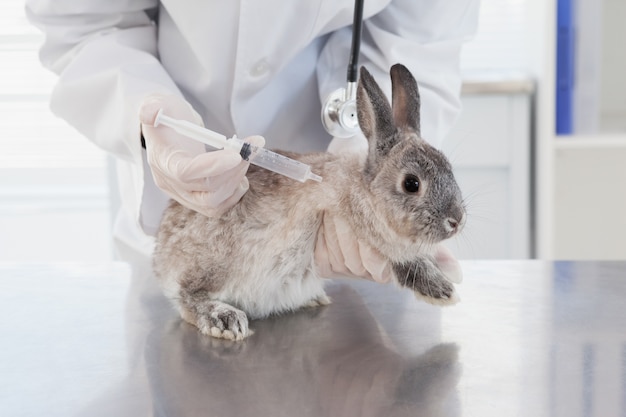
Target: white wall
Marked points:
613	71
590	200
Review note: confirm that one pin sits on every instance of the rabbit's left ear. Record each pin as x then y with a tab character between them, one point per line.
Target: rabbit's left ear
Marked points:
375	119
373	110
405	99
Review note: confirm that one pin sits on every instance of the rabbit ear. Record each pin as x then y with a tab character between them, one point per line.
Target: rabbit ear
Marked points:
405	98
375	116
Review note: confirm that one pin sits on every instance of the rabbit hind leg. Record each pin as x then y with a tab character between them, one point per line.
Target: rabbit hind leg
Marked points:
319	301
213	317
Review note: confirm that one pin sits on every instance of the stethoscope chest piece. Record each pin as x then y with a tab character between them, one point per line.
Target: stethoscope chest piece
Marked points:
339	114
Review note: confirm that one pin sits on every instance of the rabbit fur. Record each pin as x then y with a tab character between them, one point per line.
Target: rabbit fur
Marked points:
257	258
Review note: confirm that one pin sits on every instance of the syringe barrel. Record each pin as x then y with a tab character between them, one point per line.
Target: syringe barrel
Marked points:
193	131
278	163
256	155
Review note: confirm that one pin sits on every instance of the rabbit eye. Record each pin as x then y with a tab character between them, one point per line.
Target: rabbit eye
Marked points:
411	184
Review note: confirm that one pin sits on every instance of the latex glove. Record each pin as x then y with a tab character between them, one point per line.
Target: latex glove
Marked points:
338	252
447	263
208	182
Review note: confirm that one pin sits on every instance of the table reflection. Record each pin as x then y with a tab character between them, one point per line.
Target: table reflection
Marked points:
330	361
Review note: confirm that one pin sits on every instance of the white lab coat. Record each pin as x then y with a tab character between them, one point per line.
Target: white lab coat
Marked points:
247	66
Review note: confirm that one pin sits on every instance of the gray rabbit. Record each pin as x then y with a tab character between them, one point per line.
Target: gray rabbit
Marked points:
257	258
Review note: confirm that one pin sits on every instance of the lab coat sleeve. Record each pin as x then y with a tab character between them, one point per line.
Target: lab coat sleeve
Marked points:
105	54
424	35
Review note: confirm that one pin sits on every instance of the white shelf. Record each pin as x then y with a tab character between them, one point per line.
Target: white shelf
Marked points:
600	141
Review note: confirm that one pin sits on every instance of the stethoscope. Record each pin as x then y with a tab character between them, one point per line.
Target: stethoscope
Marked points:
339	111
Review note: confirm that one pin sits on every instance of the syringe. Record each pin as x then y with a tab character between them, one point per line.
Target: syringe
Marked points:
254	154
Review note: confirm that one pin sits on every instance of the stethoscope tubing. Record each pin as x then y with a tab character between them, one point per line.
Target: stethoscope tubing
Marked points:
357	25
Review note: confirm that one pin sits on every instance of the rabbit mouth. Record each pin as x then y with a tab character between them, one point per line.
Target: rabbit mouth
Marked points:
443	226
433	230
453	225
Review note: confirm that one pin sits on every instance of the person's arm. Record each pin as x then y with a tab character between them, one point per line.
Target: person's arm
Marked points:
106	56
424	35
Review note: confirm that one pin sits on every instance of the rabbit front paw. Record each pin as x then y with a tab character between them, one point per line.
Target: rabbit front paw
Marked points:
427	281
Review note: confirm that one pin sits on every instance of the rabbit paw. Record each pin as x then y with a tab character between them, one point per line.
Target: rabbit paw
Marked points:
224	322
322	300
438	293
427	281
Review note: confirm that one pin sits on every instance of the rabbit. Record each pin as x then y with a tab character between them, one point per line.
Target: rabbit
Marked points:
257	259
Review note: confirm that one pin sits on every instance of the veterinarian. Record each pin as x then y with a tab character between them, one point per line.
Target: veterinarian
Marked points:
245	67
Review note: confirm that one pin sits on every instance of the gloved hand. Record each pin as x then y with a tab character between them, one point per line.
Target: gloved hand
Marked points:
338	252
208	182
448	264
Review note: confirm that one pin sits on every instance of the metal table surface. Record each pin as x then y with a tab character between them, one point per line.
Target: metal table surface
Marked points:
529	338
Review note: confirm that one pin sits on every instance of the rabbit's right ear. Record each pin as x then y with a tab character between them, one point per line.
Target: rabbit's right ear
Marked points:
405	99
375	117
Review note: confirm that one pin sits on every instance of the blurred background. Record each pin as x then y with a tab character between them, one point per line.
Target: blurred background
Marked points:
539	150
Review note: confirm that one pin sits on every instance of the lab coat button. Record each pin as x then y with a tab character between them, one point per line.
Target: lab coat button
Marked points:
260	69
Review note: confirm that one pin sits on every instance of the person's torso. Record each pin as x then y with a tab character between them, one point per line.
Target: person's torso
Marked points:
250	67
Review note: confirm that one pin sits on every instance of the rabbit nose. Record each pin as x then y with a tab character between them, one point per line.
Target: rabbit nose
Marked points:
451	225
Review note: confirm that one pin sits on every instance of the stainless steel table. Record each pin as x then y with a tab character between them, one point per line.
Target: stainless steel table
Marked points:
529	338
